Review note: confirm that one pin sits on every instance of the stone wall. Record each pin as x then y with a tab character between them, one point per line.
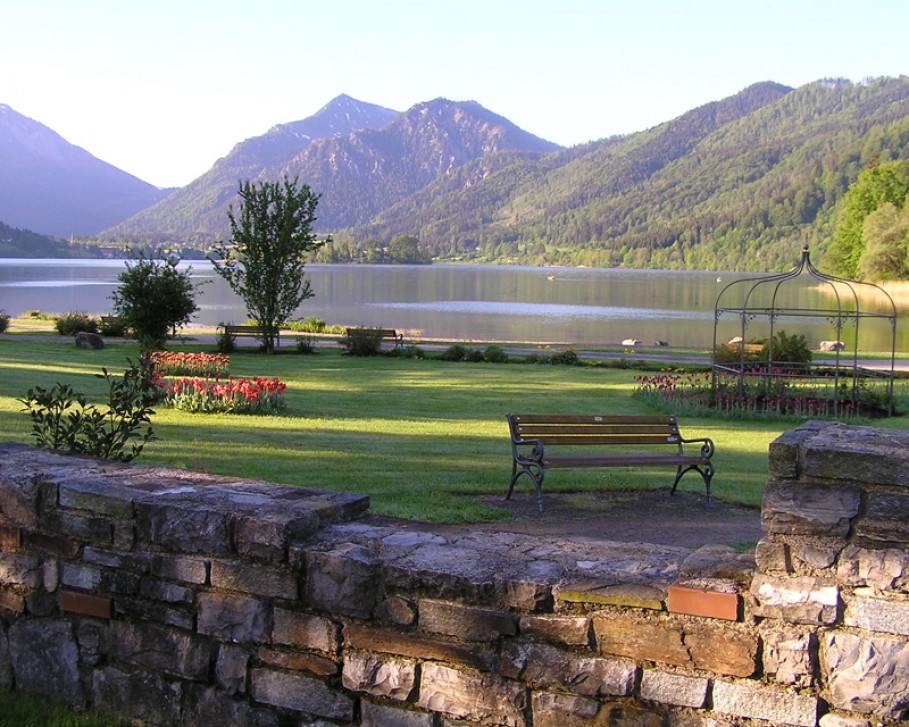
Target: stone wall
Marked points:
168	597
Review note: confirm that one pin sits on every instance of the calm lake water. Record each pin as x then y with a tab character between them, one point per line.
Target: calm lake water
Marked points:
572	306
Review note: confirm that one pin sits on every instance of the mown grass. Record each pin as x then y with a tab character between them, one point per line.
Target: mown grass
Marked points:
21	710
418	436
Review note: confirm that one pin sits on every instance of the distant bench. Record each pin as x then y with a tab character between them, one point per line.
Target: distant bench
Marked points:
252	331
644	440
384	334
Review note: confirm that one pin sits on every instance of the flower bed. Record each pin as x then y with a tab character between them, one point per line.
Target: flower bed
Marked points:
177	363
257	395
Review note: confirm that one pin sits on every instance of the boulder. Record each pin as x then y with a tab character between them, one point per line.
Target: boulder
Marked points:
830	346
90	341
631	342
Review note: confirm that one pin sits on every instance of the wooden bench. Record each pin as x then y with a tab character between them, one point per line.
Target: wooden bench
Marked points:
384	334
254	331
602	441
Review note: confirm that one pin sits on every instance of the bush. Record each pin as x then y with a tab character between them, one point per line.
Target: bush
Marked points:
225	342
306	345
792	349
568	357
495	354
4	321
455	352
362	341
113	327
62	419
473	356
69	324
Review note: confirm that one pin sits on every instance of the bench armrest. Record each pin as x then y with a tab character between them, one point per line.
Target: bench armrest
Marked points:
534	455
707	446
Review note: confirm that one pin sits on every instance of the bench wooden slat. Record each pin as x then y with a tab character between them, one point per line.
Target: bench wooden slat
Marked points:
644	439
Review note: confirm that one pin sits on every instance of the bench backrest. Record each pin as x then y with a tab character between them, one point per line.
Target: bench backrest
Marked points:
598	430
381	332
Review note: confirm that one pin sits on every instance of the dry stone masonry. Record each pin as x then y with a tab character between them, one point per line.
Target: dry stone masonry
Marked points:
167	597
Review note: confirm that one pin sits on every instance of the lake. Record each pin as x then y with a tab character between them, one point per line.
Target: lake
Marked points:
568	306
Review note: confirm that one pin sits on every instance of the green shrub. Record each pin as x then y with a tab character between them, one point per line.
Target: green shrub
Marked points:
362	341
113	327
474	355
409	351
455	352
71	323
495	354
568	357
4	321
306	345
793	349
62	418
225	342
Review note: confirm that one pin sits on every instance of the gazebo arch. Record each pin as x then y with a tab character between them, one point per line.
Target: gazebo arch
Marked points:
770	300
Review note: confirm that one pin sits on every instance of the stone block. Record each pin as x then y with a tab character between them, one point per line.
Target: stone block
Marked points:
100	495
45	660
676	689
10	536
403	644
808	508
752	701
397	610
722	649
886	615
147	610
257	580
89	528
529	596
568	710
232	618
784	451
467	695
305	631
815	554
637	638
210	706
868	674
859	454
300	694
379	676
790	656
343	581
20	569
180	568
569	630
161	649
624	595
136	696
801	599
885	570
379	715
183	528
230	669
165	591
298	661
886	523
545	666
464	622
132	562
840	720
10	601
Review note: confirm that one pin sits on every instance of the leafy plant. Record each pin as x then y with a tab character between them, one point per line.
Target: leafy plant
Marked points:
63	418
4	321
225	342
270	240
455	352
71	323
362	341
791	348
495	354
153	298
568	357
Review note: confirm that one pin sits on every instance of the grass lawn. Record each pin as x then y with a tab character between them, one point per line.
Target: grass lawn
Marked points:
417	436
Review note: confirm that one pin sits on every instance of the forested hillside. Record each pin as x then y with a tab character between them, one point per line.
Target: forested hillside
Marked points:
738	184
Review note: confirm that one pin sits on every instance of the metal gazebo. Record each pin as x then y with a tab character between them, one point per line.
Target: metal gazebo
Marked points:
787	297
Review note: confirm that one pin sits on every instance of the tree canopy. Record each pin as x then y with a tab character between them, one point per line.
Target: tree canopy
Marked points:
270	240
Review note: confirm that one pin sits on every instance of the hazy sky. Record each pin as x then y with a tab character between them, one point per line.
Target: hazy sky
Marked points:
163	88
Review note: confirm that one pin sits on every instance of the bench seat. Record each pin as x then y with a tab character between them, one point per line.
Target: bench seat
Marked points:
607	441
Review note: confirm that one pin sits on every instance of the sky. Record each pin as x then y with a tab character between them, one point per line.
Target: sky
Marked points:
162	89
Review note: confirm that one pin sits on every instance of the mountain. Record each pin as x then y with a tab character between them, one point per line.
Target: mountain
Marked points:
199	210
738	184
52	187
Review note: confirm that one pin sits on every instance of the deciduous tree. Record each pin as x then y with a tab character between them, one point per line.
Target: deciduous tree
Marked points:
270	240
